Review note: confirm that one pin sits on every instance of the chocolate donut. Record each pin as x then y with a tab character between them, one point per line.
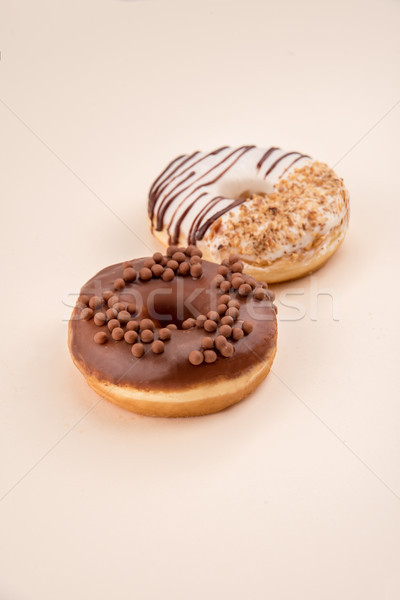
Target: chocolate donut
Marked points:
283	212
174	335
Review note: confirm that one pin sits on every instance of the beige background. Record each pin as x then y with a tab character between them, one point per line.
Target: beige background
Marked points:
294	493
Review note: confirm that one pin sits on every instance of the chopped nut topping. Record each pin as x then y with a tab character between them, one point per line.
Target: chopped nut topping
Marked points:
295	217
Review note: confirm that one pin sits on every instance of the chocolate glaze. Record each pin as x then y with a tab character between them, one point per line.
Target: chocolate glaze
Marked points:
113	362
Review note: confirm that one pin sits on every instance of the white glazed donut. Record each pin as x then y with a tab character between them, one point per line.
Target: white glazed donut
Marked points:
283	212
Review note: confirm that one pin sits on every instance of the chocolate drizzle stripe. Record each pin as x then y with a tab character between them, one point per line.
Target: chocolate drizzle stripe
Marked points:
265	156
294	162
159	184
198	219
276	163
166	203
155	182
175	237
200	233
245	149
172	176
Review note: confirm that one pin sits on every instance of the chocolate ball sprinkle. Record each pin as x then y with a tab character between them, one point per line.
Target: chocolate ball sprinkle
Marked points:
223	270
173	264
224	299
107	295
232	312
225	286
247	327
226	320
172	326
130	336
210	356
168	274
132	326
220	342
196	357
225	330
213	315
111	313
184	268
252	282
237	333
218	279
100	337
117	334
145	274
164	334
124	316
210	325
221	309
147	336
129	274
244	289
237	282
201	319
195	260
119	284
137	350
157	257
86	314
171	250
95	302
164	261
207	342
234	303
99	319
196	270
157	270
179	256
227	350
189	323
118	306
148	263
84	300
196	251
113	300
260	293
237	267
158	347
113	324
146	324
233	258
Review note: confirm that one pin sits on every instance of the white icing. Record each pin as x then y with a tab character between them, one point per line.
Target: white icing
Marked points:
193	181
241	174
